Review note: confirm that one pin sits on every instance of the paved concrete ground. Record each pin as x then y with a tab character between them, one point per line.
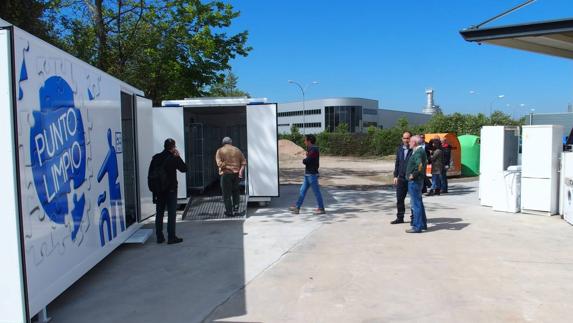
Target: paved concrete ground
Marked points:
473	265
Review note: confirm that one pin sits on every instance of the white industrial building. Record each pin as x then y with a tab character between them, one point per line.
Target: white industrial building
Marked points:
315	116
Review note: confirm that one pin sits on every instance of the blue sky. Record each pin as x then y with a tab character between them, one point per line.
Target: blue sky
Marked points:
392	50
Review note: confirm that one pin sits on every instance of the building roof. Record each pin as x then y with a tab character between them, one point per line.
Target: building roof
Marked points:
553	37
331	98
212	102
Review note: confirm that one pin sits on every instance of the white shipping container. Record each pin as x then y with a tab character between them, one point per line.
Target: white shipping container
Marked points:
69	133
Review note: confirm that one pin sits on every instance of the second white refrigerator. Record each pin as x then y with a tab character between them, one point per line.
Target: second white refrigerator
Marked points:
541	153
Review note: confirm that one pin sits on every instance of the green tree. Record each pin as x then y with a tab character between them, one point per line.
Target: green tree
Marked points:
402	124
227	88
342	128
30	15
170	49
499	118
468	123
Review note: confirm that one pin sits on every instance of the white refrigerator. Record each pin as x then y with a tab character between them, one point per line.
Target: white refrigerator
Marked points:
498	151
567	186
541	153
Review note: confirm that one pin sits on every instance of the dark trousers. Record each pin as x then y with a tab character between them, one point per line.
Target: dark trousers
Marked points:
166	200
427	183
445	180
401	192
231	192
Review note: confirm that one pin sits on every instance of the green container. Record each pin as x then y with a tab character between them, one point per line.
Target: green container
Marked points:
470	154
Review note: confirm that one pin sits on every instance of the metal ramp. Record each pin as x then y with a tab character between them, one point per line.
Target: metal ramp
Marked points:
203	208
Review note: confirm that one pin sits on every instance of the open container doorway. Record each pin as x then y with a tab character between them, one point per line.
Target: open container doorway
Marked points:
200	125
205	128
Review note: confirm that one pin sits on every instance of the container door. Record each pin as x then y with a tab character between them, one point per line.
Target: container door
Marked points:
145	151
13	304
168	123
128	137
567	187
536	194
262	146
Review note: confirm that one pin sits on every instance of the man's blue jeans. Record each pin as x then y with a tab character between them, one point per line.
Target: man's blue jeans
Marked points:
311	181
418	210
436	181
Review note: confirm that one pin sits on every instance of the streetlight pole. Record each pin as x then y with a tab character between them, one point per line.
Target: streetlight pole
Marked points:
532	110
501	96
302	90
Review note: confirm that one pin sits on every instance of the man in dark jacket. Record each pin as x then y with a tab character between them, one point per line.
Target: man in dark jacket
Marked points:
403	153
171	162
311	162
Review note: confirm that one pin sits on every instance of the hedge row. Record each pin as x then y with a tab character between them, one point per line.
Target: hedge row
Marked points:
383	142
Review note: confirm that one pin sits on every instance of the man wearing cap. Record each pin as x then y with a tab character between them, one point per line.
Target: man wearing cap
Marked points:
231	163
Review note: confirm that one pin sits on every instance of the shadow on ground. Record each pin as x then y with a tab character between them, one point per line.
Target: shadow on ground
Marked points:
188	281
160	282
446	224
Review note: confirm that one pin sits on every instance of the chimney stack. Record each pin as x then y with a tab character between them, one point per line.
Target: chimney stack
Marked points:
431	108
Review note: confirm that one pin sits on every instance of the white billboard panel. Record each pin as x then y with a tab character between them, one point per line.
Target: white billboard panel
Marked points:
71	166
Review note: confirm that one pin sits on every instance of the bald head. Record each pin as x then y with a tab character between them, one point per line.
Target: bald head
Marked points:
415	141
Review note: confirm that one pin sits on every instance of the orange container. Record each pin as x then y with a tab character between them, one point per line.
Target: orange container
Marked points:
456	166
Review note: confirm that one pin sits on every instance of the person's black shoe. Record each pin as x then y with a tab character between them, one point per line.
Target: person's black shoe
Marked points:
431	193
161	240
397	221
175	240
228	214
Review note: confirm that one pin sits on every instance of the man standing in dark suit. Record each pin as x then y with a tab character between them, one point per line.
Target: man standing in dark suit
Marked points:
170	161
403	153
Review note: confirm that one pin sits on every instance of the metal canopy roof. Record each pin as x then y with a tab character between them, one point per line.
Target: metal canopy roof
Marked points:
553	37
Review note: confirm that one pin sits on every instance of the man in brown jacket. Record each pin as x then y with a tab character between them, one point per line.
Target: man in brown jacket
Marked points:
231	163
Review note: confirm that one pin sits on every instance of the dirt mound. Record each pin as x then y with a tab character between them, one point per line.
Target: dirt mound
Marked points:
290	150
